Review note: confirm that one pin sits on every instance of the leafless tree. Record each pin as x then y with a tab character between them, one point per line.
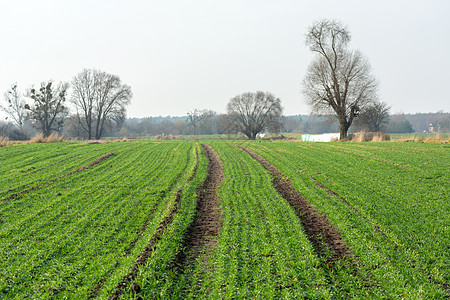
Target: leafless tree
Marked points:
202	121
338	81
100	99
374	116
83	96
193	118
48	111
255	112
15	106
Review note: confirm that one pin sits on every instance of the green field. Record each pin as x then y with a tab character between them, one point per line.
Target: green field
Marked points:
117	220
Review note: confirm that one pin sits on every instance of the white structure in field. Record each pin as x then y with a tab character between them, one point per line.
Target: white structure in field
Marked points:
261	135
326	137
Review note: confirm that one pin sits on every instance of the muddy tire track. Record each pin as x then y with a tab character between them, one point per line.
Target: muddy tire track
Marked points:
318	229
93	163
207	221
127	279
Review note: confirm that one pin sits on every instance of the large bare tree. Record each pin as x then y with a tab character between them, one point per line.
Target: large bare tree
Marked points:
100	99
15	106
255	112
48	110
338	81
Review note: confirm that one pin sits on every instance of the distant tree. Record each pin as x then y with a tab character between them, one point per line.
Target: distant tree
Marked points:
100	99
374	116
255	112
338	81
203	121
48	110
193	118
292	124
442	122
208	122
399	124
15	106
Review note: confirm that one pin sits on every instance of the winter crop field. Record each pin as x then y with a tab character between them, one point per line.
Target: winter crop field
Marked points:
225	220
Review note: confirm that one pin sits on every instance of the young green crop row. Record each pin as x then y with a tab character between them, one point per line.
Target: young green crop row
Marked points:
44	164
392	210
261	251
79	236
82	235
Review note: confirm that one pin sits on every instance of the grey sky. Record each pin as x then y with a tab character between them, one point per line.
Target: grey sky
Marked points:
181	55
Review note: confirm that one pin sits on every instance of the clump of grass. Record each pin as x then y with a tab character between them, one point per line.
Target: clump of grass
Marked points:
52	138
167	137
4	141
437	139
363	136
55	138
381	137
359	137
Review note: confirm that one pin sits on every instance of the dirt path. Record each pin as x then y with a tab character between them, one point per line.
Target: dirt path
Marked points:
207	220
318	228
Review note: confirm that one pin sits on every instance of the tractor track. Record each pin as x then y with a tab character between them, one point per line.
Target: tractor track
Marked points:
318	228
207	221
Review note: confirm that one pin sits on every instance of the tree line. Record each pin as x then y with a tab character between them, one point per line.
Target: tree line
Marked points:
100	100
339	88
210	122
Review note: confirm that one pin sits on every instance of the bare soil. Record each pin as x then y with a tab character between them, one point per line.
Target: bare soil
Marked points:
318	228
207	220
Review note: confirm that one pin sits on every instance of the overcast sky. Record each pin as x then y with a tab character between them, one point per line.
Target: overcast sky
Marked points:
182	55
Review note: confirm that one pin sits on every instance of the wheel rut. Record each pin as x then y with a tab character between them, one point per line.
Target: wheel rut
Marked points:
319	230
206	223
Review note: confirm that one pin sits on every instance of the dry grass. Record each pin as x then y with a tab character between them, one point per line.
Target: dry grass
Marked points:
167	137
363	136
359	137
52	138
381	137
423	139
4	141
56	138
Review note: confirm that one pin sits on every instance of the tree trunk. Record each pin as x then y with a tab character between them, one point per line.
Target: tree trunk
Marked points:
343	129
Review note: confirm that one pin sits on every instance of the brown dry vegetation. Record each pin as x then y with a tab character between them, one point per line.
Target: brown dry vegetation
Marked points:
52	138
4	141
